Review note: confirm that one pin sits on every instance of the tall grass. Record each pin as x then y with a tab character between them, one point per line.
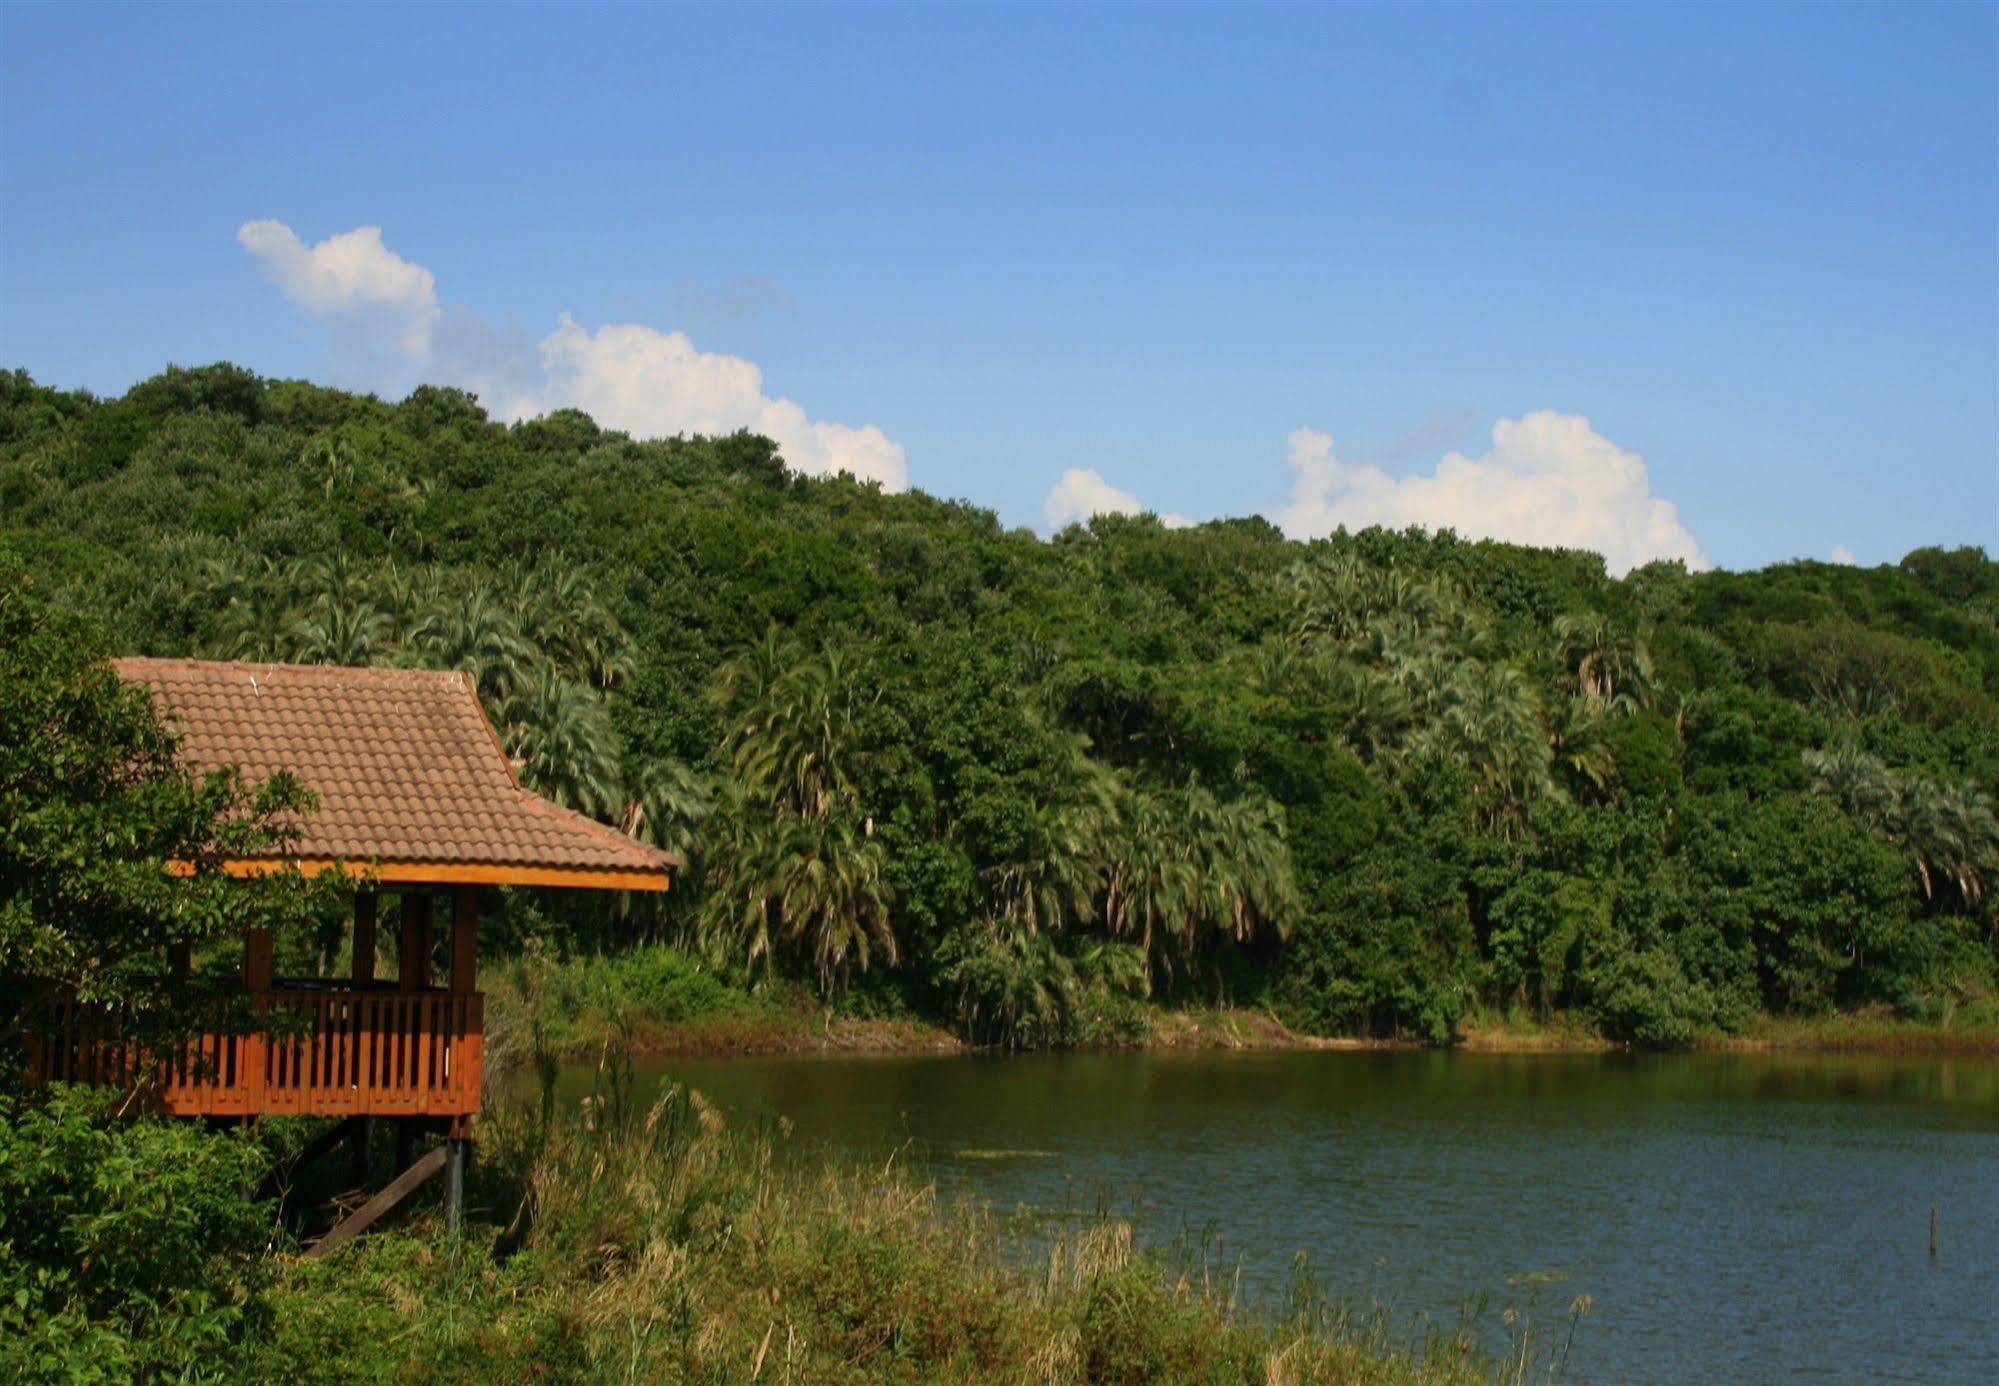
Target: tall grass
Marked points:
611	1241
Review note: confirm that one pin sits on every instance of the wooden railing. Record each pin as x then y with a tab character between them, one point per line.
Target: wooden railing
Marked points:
330	1053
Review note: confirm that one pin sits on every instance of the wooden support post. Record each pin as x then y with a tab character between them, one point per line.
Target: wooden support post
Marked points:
366	1215
364	937
361	1148
465	938
413	973
257	960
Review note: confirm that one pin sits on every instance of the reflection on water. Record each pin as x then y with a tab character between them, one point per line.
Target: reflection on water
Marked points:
1732	1217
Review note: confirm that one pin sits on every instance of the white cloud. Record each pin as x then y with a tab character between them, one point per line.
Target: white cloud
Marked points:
352	273
1082	492
656	383
627	376
1548	479
1842	555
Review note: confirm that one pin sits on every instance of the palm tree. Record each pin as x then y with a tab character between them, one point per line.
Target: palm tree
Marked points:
1859	783
559	735
556	605
834	897
1582	749
1015	985
478	635
254	628
1951	830
799	745
1192	869
1612	666
332	631
669	803
1070	836
744	681
406	596
1374	707
1489	721
337	576
797	866
814	886
1332	597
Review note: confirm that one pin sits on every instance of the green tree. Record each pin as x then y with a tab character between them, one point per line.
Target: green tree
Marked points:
110	851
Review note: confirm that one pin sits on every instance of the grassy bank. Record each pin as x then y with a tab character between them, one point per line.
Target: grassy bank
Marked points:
1875	1030
611	1242
662	1244
656	1000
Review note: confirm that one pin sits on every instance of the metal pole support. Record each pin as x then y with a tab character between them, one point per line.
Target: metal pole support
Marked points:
454	1183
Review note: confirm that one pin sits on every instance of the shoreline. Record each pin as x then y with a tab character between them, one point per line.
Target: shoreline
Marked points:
803	1036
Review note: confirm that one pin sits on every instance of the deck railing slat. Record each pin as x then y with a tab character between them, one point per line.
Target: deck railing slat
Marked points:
376	1053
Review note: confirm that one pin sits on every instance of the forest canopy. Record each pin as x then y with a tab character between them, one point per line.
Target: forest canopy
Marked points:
918	760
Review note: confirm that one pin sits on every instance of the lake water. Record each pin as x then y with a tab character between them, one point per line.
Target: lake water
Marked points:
1731	1217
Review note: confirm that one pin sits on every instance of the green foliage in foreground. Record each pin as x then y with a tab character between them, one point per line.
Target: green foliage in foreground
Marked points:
923	763
128	1249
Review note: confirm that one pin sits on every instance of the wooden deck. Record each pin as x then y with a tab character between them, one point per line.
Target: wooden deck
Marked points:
341	1052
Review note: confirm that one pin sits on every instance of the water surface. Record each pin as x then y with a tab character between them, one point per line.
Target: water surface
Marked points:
1731	1217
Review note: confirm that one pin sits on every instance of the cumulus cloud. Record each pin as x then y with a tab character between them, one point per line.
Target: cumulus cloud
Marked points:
353	274
1843	556
627	376
1549	479
1082	492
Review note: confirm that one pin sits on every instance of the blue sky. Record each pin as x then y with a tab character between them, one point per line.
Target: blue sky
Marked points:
1207	260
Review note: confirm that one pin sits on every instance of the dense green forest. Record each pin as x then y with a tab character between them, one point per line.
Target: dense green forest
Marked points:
930	765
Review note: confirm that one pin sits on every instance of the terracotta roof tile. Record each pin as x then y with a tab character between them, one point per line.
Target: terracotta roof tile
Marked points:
405	765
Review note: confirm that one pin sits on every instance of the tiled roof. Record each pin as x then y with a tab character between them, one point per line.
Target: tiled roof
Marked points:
405	765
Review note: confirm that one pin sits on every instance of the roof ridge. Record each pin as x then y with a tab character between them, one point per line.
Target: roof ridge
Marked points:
164	662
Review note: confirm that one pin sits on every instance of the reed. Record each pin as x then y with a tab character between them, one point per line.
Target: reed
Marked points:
613	1240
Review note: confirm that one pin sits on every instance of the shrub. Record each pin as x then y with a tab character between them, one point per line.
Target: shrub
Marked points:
1646	998
127	1247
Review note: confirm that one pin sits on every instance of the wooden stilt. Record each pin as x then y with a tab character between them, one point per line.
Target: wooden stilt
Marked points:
364	1217
361	1148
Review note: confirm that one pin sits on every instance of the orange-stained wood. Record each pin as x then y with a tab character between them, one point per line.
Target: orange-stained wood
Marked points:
450	873
348	1053
413	966
464	937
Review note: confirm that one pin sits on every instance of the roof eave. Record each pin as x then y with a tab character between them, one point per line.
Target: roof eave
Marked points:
441	873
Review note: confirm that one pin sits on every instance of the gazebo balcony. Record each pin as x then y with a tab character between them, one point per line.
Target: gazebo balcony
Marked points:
333	1049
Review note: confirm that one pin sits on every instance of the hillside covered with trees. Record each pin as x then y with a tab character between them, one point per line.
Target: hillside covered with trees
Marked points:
927	764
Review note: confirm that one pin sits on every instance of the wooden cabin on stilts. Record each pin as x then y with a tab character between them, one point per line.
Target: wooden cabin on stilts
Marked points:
417	800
